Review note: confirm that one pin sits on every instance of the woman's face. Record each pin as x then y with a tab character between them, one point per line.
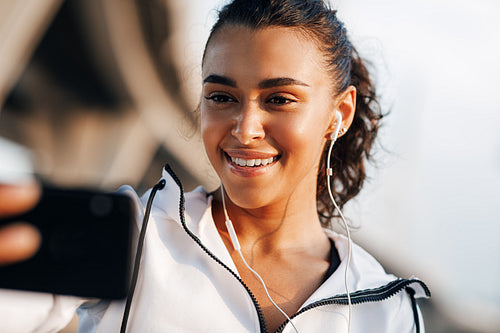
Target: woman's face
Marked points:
266	109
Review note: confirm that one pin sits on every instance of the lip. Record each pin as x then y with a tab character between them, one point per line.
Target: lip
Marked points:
249	171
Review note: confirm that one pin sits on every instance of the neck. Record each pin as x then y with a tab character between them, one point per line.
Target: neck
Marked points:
284	226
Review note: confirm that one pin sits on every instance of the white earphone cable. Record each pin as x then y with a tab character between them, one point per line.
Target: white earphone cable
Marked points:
237	248
329	173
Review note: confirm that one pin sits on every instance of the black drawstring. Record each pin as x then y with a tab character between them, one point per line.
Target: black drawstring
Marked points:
416	318
137	262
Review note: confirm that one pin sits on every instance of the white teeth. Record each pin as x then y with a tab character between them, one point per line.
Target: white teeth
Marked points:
241	162
252	162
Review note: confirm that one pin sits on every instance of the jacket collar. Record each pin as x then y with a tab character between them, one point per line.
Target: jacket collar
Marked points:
364	271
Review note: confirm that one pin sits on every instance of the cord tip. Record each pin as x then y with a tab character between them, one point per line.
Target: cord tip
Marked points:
162	184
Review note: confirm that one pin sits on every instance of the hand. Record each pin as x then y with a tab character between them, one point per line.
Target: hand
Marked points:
19	240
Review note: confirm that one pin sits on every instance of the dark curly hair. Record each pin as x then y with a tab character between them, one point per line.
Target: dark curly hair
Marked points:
315	19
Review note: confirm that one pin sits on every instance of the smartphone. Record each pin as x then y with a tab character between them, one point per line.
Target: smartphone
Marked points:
85	249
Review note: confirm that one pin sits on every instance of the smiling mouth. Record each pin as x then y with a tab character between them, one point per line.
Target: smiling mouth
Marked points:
253	163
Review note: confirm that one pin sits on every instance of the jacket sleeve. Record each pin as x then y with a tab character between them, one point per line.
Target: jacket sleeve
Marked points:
26	312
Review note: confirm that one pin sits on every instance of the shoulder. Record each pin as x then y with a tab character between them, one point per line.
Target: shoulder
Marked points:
388	299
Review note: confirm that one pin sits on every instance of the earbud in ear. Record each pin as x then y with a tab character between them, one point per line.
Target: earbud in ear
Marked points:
338	122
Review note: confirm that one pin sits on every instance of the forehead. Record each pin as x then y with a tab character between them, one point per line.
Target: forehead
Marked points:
267	52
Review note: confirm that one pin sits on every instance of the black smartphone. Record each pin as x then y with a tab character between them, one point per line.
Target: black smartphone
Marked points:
85	249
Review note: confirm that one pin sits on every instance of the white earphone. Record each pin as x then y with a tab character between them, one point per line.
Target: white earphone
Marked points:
334	135
329	174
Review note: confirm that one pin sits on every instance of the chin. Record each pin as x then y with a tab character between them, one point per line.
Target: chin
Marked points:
248	198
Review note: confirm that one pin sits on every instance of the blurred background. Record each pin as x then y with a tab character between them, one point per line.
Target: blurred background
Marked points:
103	93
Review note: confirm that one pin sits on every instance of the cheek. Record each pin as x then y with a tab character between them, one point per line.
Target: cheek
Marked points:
303	138
213	129
208	132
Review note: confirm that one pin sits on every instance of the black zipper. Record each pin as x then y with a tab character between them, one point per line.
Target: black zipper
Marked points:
262	321
362	296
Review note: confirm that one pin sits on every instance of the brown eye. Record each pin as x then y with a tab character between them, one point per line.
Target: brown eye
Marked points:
220	98
279	100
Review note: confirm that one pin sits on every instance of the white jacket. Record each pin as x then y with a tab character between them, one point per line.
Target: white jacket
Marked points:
188	283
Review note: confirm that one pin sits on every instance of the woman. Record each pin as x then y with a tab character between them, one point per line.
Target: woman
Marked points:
281	82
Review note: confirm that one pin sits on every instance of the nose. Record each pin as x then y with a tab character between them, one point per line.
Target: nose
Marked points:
248	124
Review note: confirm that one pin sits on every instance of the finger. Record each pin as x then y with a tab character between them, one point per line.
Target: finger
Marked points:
18	241
16	199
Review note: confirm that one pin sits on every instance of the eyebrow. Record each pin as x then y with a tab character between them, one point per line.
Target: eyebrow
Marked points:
220	80
280	81
265	84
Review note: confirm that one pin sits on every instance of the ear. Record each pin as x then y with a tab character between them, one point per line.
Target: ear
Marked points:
346	105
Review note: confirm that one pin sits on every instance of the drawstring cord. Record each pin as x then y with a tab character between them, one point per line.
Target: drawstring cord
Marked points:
414	307
138	254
